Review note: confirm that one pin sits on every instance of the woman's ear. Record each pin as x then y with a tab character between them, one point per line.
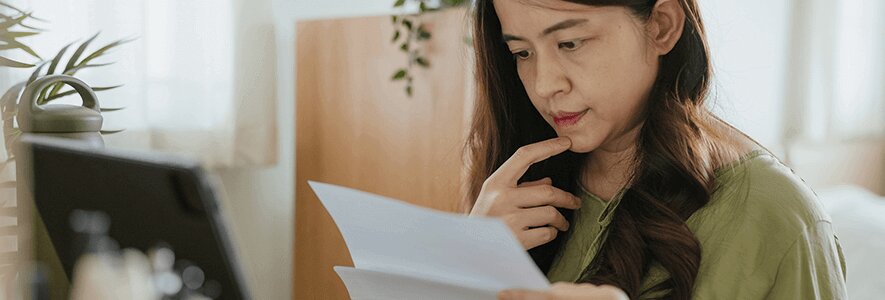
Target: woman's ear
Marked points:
665	25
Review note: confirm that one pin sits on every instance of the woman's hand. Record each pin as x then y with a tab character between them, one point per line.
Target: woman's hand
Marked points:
529	209
567	291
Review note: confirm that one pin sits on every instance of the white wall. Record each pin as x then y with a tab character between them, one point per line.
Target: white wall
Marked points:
749	41
260	202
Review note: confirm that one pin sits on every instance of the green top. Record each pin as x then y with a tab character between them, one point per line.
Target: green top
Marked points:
763	235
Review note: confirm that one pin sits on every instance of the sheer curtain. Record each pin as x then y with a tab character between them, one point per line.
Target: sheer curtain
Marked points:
837	84
199	78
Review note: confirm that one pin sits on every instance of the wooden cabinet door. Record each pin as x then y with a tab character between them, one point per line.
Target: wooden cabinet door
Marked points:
357	128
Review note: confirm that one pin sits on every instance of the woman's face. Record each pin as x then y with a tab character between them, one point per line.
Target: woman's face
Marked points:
588	70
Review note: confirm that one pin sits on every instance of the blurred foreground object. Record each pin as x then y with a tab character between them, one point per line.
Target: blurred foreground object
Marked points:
103	272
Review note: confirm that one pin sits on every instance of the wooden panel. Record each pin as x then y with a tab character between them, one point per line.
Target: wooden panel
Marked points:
356	128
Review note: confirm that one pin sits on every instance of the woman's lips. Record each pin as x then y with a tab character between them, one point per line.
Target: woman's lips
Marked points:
563	120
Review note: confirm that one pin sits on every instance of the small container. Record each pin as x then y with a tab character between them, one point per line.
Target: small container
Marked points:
80	122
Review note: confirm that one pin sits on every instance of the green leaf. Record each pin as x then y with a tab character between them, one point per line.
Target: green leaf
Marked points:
30	51
20	11
399	3
13	64
454	2
51	97
395	36
12	8
409	90
408	24
71	92
21	22
72	62
423	34
24	48
111	131
41	99
106	88
73	71
17	34
394	18
57	59
400	74
422	7
404	47
31	27
12	22
104	49
422	62
72	66
52	92
36	72
6	26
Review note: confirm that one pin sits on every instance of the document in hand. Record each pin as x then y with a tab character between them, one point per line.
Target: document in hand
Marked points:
403	251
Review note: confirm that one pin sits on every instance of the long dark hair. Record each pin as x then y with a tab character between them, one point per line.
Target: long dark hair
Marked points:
673	175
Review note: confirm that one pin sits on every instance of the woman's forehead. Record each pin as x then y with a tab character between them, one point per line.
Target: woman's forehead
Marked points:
555	5
533	16
548	5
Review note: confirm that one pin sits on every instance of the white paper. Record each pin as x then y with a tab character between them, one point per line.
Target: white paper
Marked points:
367	284
395	245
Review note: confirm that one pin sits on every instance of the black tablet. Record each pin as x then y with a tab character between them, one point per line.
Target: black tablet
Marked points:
150	199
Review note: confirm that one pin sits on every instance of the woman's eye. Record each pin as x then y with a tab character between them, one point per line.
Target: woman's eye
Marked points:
571	45
524	54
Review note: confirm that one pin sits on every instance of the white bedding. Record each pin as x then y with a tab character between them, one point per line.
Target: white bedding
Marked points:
859	220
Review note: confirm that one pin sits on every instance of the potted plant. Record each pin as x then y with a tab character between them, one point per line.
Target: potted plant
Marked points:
45	85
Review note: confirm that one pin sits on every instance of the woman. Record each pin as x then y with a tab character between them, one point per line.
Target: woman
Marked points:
591	141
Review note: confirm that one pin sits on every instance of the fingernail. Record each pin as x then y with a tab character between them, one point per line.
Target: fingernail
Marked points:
564	141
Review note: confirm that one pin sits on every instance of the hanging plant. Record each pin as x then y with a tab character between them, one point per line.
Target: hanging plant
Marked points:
409	32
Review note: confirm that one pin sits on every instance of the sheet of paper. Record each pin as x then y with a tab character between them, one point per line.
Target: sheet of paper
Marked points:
394	237
366	284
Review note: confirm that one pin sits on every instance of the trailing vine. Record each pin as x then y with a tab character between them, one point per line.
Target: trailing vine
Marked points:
410	32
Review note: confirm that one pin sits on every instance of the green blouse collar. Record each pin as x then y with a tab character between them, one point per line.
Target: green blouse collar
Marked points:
593	203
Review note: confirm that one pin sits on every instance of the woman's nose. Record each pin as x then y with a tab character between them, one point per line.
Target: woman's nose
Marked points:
550	77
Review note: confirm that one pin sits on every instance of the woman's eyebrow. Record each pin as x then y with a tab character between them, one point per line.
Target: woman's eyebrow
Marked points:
556	27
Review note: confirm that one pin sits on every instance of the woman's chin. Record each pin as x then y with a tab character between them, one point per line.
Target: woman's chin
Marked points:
580	146
582	143
577	149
